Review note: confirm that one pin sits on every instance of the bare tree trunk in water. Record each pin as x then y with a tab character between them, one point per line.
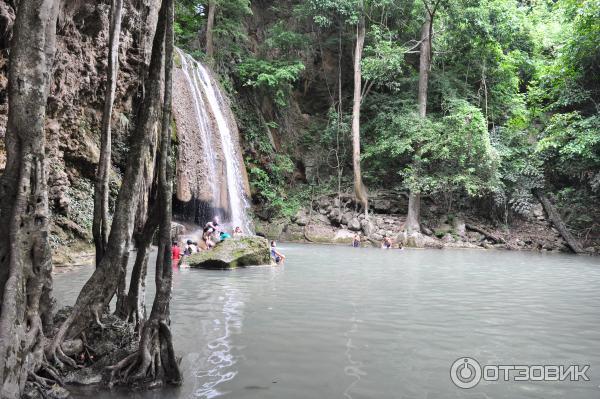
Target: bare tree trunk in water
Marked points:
25	255
100	227
155	361
210	22
134	310
414	198
359	188
101	286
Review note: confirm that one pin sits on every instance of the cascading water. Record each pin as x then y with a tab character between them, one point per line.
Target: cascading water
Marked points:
213	121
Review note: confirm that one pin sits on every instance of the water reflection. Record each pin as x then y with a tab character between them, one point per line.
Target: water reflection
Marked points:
214	365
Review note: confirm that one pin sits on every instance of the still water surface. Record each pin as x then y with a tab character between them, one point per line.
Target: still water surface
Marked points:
339	322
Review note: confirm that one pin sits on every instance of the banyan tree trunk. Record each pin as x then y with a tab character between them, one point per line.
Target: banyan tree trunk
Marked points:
102	285
155	363
25	256
134	310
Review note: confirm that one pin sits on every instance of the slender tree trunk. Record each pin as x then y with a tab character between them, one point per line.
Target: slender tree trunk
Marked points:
25	255
155	360
557	221
135	309
359	188
101	286
414	198
100	226
210	22
424	65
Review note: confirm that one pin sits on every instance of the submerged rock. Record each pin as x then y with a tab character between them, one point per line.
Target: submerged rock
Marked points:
232	253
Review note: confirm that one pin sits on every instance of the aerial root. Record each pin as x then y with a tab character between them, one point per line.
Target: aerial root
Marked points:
122	368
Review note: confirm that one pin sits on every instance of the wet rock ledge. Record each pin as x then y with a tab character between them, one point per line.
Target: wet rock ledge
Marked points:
233	253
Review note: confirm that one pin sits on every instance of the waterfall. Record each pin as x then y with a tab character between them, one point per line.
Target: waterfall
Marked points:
209	117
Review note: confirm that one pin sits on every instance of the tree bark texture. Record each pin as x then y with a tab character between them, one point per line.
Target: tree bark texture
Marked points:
155	361
413	217
557	221
210	22
100	228
359	188
25	255
101	286
135	304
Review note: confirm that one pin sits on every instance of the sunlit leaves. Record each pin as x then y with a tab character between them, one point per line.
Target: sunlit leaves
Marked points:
275	76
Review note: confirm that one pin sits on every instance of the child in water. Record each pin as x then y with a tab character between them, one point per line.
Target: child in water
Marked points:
356	241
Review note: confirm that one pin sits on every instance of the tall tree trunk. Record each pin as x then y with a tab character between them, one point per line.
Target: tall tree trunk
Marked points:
155	360
100	226
25	255
424	65
414	198
101	286
359	188
210	22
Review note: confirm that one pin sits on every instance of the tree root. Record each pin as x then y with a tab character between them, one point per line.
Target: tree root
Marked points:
153	365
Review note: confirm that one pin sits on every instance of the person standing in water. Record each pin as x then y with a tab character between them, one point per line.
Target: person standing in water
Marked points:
356	241
276	255
386	243
175	252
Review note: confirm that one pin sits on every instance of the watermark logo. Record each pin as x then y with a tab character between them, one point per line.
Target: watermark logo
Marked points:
467	372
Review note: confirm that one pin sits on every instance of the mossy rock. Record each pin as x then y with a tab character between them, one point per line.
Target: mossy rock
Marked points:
233	253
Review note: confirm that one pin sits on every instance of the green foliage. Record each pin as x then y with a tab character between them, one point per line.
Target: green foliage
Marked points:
274	76
571	144
268	184
229	35
447	155
512	100
284	41
383	61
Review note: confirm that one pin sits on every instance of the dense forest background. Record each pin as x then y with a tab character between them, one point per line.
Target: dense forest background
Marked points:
512	106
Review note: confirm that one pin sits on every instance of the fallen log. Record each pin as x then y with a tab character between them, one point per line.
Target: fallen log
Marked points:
558	223
490	236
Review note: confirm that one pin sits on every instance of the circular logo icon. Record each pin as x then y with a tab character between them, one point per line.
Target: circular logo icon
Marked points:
465	372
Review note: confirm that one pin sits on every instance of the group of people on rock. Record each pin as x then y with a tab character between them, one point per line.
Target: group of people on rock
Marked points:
386	243
212	233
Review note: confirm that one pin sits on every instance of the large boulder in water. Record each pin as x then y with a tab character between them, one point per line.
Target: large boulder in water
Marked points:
234	252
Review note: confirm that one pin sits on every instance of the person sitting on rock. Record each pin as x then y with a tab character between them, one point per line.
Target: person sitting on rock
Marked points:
356	241
276	255
207	238
214	223
386	243
223	236
237	232
191	248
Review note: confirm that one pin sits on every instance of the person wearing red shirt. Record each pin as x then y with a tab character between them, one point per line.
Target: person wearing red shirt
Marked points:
175	252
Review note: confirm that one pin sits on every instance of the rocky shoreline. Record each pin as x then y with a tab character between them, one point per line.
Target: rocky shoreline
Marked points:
333	219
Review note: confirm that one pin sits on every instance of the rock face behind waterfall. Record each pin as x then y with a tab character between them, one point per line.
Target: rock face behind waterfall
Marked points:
211	178
233	253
